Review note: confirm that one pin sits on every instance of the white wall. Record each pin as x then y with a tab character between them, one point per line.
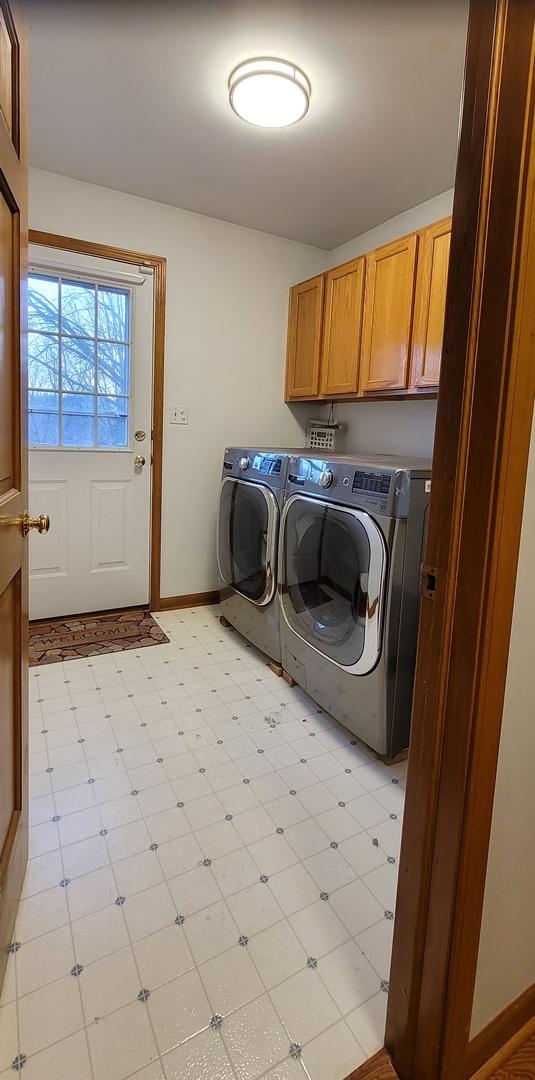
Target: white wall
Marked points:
394	427
227	304
506	961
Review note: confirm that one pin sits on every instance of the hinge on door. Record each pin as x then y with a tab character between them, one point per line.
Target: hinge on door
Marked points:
428	581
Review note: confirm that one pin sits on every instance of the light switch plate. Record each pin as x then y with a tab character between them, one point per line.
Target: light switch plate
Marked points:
178	414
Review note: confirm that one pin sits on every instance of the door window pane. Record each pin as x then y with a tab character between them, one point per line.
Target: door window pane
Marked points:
112	431
113	312
78	430
78	308
78	346
43	361
43	302
78	364
112	369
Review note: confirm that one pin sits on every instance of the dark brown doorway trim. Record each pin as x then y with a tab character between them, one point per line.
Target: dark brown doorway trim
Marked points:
482	441
159	266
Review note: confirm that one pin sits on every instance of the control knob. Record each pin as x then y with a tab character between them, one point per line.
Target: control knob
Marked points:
326	478
244	463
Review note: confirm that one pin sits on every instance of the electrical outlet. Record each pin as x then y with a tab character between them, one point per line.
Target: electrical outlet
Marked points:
178	414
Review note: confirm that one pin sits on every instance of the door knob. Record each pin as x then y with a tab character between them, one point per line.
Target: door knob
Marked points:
27	522
139	461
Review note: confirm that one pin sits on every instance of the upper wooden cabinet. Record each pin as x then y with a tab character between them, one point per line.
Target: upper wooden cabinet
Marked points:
372	326
305	322
432	277
344	297
388	313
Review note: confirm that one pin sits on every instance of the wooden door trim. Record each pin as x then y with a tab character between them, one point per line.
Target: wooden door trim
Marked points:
159	265
480	461
503	1030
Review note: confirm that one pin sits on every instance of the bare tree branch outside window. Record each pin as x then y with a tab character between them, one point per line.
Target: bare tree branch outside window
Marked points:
78	362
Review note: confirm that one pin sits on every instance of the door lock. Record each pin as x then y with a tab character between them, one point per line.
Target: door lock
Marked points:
140	435
139	461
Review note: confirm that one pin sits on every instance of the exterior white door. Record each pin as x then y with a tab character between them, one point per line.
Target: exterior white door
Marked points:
90	358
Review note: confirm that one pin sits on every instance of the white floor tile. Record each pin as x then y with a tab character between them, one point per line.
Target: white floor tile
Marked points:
108	984
348	976
277	953
318	928
179	1010
121	1042
254	908
304	1005
255	1038
356	906
99	934
49	1014
66	1059
333	1054
211	931
163	956
231	980
368	1023
194	890
203	1056
44	959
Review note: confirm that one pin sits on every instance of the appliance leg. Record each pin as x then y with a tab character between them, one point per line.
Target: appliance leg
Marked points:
225	622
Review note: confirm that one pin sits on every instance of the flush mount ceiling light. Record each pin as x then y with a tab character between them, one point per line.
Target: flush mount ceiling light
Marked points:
269	92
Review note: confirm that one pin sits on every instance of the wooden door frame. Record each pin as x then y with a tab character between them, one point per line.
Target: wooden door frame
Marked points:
482	443
159	266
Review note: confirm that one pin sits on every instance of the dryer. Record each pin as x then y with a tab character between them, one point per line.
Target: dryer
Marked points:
250	503
351	544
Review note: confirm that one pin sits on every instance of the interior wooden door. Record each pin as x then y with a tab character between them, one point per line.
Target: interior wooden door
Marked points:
305	322
13	485
344	295
388	313
430	304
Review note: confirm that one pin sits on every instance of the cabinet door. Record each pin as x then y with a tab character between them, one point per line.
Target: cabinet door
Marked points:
430	303
344	294
305	323
388	312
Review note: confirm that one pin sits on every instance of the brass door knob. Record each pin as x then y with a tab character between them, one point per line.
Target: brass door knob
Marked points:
41	523
26	522
139	461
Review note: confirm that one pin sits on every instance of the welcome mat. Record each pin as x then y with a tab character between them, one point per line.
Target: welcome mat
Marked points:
92	635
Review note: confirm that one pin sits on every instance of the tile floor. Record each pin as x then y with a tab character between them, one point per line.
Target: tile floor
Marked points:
212	877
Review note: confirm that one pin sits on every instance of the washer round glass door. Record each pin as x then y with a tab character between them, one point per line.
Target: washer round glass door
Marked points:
247	538
333	574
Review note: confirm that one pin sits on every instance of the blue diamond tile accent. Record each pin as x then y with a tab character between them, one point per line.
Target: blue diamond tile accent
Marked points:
19	1062
324	896
77	970
154	847
180	920
143	995
295	1050
14	947
64	882
312	962
215	1021
120	901
264	879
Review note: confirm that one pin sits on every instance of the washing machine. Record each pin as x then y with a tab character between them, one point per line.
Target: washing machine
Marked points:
351	544
250	503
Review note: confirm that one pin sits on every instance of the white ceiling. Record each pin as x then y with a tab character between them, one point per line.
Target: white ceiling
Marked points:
133	96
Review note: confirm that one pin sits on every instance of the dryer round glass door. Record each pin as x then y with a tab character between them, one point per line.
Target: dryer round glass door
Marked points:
333	575
247	538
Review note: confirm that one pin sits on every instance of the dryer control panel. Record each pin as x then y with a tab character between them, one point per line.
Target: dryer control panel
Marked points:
382	490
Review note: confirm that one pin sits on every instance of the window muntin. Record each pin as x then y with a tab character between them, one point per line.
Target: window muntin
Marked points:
79	352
